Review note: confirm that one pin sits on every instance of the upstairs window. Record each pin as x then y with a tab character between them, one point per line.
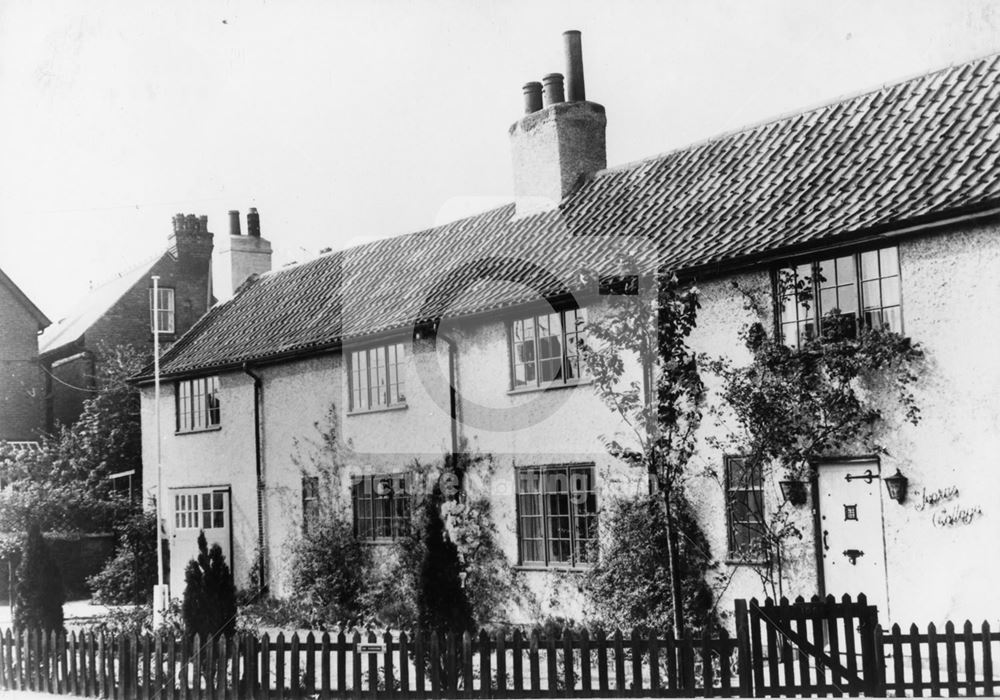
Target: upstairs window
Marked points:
381	505
557	515
862	287
544	349
744	508
198	405
378	377
163	306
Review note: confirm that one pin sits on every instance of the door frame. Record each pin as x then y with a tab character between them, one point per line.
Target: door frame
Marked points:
818	528
228	488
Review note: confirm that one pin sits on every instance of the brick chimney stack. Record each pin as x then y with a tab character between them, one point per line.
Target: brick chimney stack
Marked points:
241	256
191	241
561	137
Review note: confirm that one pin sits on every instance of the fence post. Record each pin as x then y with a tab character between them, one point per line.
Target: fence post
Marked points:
743	660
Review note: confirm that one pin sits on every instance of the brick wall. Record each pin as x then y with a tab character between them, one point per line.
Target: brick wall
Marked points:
21	385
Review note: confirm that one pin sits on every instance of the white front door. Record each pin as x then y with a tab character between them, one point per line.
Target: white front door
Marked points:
852	544
193	510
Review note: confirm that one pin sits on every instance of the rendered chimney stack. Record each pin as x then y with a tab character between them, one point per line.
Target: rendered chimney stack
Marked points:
575	90
241	256
552	84
532	97
557	144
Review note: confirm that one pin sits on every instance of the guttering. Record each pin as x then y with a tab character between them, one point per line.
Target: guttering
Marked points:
452	391
258	398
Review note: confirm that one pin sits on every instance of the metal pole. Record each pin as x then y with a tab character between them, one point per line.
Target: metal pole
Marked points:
159	596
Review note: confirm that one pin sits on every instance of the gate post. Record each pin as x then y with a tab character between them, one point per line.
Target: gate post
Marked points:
872	659
743	649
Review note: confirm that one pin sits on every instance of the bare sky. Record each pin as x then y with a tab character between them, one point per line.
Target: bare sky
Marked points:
345	121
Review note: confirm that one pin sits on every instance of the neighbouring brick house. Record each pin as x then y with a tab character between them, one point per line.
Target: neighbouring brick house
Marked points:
118	312
22	389
466	331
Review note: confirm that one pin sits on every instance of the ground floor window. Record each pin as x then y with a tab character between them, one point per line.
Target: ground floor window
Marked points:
381	505
744	508
310	503
557	515
199	511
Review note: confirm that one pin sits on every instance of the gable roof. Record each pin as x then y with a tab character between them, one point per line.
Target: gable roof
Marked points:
23	299
919	150
92	306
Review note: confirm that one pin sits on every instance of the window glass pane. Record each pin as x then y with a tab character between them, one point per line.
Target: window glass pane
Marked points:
826	274
888	262
217	519
893	319
845	269
848	299
890	291
206	501
872	297
869	265
828	300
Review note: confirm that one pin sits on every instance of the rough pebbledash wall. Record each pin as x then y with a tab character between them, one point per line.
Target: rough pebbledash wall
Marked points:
21	383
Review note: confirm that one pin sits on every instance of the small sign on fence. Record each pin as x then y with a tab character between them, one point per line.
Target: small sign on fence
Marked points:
370	647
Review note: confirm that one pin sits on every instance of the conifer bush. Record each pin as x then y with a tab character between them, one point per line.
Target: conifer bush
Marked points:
209	605
39	594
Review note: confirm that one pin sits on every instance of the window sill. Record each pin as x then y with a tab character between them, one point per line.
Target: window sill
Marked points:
734	561
214	428
379	543
553	569
549	387
381	409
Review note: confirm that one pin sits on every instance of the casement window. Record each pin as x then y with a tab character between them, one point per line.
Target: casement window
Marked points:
310	503
862	287
199	511
381	507
164	308
744	508
378	377
198	406
544	349
556	515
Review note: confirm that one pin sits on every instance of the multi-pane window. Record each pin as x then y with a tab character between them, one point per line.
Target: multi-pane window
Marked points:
199	511
381	506
310	503
557	515
744	507
198	406
862	287
545	348
162	307
378	377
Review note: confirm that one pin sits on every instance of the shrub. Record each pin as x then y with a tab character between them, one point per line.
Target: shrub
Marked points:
442	604
209	605
39	594
131	574
329	568
629	586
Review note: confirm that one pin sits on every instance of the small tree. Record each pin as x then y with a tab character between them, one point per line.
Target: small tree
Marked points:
661	412
209	606
329	567
39	591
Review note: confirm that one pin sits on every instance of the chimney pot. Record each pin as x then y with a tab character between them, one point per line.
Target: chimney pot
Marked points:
532	97
575	90
234	222
253	223
553	87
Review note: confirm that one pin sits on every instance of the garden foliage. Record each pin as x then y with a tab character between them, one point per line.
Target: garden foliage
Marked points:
209	605
130	575
329	572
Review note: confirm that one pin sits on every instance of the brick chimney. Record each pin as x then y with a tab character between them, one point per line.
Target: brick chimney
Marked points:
559	139
191	242
241	256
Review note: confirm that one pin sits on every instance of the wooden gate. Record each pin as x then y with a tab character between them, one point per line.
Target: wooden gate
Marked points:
820	647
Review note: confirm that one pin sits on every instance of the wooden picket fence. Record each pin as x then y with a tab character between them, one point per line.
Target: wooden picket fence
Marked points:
387	665
957	663
818	648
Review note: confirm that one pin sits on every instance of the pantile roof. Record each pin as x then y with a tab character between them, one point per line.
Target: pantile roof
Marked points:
918	150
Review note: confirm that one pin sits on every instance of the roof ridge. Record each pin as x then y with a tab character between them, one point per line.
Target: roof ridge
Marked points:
791	115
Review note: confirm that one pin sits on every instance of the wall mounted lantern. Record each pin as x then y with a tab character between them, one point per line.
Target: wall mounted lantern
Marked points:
896	485
793	491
